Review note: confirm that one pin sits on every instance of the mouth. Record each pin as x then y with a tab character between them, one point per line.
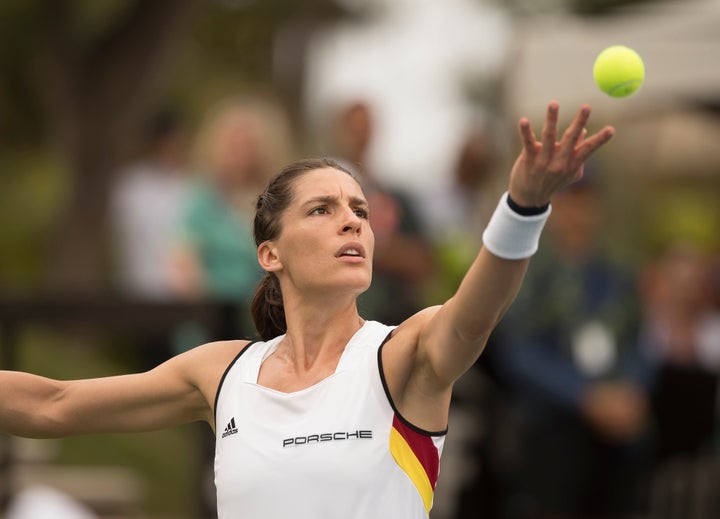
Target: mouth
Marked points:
351	250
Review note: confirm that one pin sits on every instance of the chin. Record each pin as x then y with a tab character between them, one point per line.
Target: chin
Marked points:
360	287
358	284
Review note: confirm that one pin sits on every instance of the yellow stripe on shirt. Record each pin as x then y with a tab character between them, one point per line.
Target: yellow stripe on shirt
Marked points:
409	462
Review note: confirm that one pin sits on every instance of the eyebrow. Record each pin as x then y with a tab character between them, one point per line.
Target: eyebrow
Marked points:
331	199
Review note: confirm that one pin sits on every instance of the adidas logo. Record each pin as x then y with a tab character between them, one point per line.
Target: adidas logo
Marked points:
230	429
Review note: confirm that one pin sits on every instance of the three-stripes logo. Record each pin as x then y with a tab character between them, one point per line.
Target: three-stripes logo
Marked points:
230	429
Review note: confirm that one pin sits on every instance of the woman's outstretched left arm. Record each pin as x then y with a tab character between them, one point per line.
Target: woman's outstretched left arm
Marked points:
443	342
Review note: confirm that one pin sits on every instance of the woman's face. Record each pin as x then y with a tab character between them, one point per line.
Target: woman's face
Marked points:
326	243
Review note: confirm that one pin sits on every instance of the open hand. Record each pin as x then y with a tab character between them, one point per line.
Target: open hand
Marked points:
547	166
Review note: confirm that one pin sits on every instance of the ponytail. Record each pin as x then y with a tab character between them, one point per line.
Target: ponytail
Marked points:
268	312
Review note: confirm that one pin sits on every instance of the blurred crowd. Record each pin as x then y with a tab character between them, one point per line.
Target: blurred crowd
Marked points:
597	396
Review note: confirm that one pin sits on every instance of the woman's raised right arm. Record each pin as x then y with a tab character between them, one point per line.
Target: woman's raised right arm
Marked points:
179	391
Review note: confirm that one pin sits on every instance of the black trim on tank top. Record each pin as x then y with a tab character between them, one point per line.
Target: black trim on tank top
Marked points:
222	379
389	397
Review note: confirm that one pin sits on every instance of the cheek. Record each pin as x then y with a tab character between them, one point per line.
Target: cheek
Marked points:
371	243
305	248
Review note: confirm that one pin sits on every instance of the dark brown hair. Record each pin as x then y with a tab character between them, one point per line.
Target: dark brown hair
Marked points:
267	308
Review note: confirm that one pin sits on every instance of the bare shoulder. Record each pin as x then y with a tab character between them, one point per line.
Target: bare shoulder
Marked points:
211	352
205	365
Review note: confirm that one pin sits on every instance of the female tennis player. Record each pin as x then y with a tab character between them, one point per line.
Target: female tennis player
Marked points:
327	415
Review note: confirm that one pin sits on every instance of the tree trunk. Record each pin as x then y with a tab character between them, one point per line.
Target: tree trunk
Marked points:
98	98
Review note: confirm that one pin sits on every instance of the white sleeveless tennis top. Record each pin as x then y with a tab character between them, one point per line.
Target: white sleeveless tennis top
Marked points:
337	449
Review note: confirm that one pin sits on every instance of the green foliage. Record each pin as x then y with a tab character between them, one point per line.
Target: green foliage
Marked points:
228	51
33	189
21	121
225	50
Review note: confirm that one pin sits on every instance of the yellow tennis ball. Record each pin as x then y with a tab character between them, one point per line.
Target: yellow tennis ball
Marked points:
619	71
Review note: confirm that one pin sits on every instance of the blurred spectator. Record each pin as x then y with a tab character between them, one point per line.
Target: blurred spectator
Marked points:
681	335
145	208
240	146
403	262
568	354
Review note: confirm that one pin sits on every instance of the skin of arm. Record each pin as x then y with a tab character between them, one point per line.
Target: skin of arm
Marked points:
432	349
181	390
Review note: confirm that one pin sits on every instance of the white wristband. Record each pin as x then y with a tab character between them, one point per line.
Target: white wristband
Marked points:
510	235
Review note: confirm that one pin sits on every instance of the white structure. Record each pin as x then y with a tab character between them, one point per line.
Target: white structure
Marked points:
413	60
411	64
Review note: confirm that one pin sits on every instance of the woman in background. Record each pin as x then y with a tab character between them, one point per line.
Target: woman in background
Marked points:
239	146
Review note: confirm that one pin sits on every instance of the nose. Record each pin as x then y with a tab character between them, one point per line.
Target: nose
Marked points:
353	223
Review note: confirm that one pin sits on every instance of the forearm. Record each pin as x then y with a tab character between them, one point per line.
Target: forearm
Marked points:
494	279
485	294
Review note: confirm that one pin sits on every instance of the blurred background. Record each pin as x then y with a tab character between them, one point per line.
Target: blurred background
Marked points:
135	136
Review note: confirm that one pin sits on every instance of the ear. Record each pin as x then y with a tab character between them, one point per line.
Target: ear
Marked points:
268	257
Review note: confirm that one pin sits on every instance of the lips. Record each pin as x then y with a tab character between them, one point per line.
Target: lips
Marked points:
351	250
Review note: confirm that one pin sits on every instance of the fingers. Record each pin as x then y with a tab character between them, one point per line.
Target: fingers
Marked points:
549	133
576	131
583	134
574	148
588	146
527	136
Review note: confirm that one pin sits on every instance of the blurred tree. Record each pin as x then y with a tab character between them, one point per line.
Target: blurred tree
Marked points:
100	81
582	7
81	77
599	7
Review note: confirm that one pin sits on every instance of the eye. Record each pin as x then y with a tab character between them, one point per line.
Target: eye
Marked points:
320	210
363	213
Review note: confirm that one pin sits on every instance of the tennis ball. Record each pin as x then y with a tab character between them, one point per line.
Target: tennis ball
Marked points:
619	71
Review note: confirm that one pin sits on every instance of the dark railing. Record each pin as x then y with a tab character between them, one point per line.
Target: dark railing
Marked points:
138	319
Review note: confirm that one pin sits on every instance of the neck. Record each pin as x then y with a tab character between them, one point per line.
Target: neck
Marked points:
318	332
